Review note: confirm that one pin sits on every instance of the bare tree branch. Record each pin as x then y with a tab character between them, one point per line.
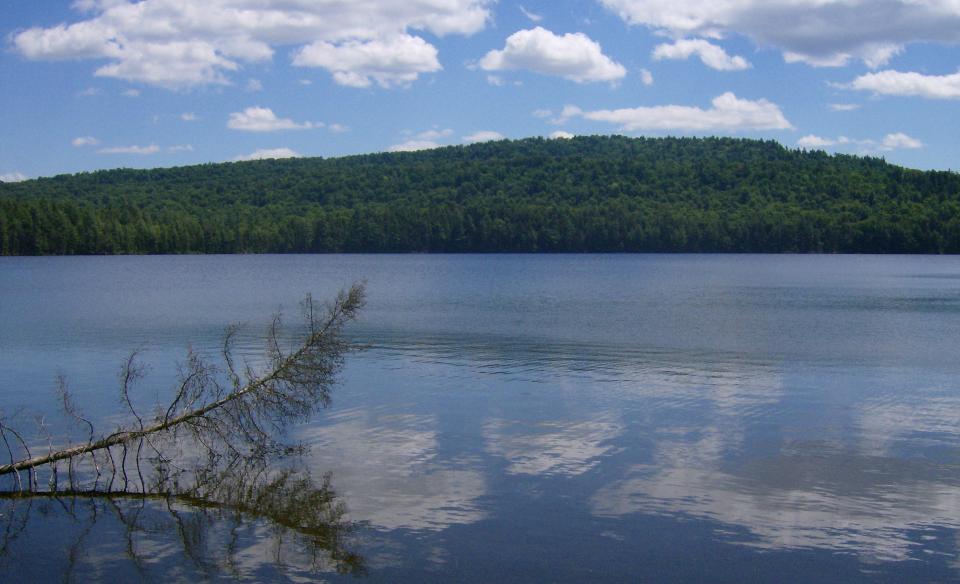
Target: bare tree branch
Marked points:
292	385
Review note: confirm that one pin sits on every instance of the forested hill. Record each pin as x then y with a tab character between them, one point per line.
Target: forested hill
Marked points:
536	195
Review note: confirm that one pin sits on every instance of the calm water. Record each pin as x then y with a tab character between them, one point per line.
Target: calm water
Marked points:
536	418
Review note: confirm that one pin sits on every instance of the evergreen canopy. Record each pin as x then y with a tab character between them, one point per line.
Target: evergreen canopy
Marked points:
596	194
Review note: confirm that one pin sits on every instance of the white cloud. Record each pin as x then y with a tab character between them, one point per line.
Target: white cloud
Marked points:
561	135
175	65
483	136
573	56
710	54
813	142
338	128
189	117
568	111
413	145
268	153
728	113
909	84
425	140
646	77
12	177
180	44
253	86
817	32
180	148
131	93
395	61
542	113
844	107
894	141
534	17
140	150
262	119
495	80
900	140
434	134
84	141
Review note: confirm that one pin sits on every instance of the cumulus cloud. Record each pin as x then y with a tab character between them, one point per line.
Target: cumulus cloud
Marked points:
189	117
254	85
175	65
568	111
180	148
646	77
434	134
710	54
573	56
483	136
413	145
268	153
561	135
139	150
900	140
844	107
82	141
893	141
10	177
909	84
338	128
816	32
394	61
813	142
262	119
423	140
727	114
180	44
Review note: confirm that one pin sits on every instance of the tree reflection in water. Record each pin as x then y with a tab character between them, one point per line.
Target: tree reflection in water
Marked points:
247	521
201	489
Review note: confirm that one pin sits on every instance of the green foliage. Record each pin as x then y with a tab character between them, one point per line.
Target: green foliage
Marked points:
595	194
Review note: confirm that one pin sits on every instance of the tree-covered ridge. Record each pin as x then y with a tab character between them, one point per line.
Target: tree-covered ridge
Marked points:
581	194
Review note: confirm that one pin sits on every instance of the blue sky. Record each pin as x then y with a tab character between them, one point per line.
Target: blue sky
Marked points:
93	84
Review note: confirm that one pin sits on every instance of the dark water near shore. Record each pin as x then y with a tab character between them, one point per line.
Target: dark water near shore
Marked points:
538	418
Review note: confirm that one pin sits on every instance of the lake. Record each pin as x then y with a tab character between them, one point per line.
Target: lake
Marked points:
724	418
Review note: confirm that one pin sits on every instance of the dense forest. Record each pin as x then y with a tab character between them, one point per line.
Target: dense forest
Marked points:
598	194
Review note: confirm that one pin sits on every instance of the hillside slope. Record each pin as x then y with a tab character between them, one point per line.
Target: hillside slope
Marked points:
582	194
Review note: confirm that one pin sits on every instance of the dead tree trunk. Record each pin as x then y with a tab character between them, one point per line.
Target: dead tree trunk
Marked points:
223	409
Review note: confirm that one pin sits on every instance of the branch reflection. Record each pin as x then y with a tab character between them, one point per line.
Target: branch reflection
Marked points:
245	520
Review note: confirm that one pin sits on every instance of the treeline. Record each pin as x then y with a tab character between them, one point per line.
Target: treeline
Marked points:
600	194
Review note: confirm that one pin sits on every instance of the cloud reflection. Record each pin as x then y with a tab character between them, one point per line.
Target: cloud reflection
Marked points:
551	448
884	424
809	494
387	466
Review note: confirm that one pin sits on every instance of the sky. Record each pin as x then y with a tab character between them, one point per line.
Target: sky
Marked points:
94	84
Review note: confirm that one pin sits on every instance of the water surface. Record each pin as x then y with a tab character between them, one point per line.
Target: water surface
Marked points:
549	418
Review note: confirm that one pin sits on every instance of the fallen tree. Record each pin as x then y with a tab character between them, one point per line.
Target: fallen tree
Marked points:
217	412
